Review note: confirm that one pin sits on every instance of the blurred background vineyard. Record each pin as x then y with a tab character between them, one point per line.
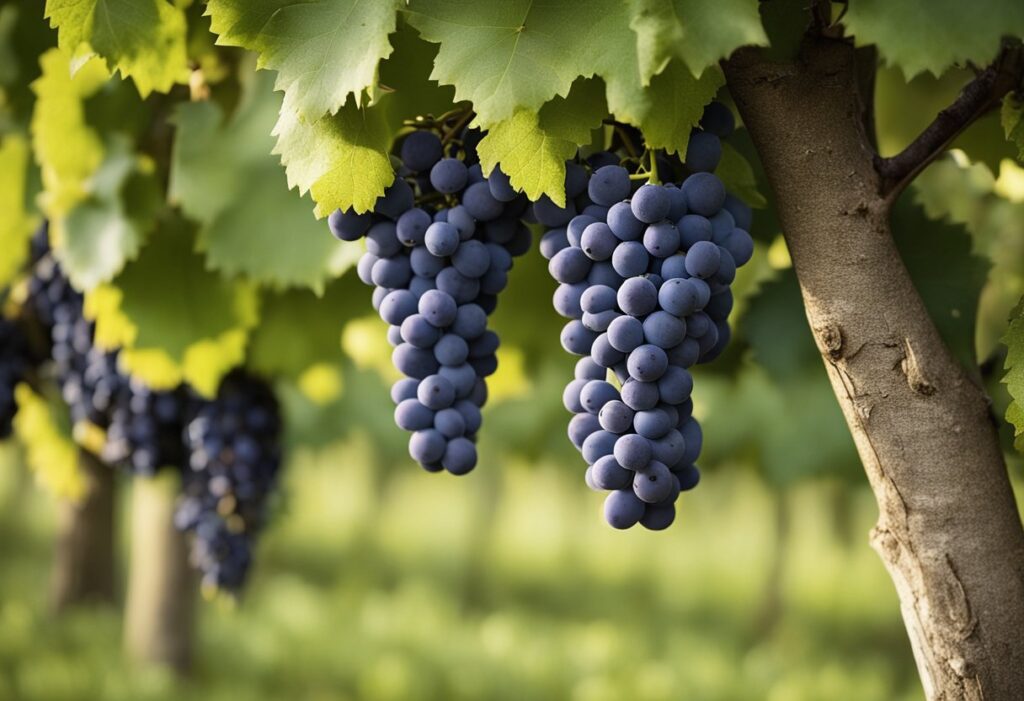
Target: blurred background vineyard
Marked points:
377	581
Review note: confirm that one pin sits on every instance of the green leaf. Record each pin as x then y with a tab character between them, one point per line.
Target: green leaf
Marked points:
67	149
698	33
176	320
324	51
947	275
43	427
312	324
505	56
341	160
677	101
532	148
738	176
106	229
405	80
932	35
1014	378
224	176
144	39
775	325
17	224
1012	117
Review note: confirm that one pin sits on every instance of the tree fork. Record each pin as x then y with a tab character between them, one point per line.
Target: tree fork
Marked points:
83	569
948	530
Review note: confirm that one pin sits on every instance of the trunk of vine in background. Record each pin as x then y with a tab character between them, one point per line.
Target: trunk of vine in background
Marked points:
159	616
83	568
948	530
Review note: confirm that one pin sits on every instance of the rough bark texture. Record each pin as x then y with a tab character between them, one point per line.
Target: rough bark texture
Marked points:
160	606
83	568
948	530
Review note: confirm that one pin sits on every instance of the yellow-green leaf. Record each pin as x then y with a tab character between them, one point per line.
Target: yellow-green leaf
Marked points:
49	451
1014	378
677	101
16	224
738	176
144	39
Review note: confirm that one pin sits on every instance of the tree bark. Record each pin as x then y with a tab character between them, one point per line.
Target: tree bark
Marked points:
83	568
948	530
160	605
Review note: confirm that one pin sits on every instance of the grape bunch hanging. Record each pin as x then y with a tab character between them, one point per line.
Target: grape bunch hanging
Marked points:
16	359
644	273
439	245
228	449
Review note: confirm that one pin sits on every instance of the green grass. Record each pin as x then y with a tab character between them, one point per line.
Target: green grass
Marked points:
416	586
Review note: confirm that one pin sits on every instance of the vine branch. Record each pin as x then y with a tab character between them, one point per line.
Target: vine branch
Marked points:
977	97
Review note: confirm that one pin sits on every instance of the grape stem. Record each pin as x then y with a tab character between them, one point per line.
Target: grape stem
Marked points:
457	127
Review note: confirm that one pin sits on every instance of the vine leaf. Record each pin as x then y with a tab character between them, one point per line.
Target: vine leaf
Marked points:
677	101
341	160
1012	116
1014	378
919	36
224	176
43	427
16	225
100	197
299	315
143	39
174	319
532	148
738	175
324	51
698	33
506	56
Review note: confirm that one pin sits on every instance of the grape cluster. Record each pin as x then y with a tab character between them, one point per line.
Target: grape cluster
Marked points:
145	432
438	252
234	444
15	362
644	277
89	380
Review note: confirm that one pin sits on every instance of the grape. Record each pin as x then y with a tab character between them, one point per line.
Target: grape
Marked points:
597	445
638	296
633	451
615	416
480	203
382	240
598	241
449	175
571	396
15	361
597	298
419	332
664	329
567	298
414	362
677	202
705	193
740	245
608	185
404	389
718	120
654	484
500	186
604	354
630	259
577	338
698	325
595	394
694	228
653	423
441	239
421	150
640	396
463	378
486	344
470	321
651	203
391	273
145	431
623	509
463	221
587	369
685	354
550	214
608	474
670	448
688	477
470	415
451	349
552	242
603	273
427	446
581	426
577	225
675	385
449	422
703	259
693	437
459	456
348	225
234	447
647	363
740	212
472	259
625	334
661	240
412	415
624	223
722	225
703	152
570	265
460	288
658	517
